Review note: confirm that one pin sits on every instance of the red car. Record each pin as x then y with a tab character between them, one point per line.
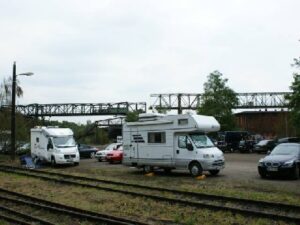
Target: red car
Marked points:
115	155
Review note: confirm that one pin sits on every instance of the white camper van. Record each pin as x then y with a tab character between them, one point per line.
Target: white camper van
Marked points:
172	141
55	145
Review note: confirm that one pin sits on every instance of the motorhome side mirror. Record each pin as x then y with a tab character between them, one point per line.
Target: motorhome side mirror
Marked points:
189	147
49	146
268	152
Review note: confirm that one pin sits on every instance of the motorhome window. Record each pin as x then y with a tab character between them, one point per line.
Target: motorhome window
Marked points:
50	145
156	137
37	139
201	141
183	121
64	142
183	141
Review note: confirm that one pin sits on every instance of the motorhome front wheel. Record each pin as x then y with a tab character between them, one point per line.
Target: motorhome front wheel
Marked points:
53	162
195	169
148	169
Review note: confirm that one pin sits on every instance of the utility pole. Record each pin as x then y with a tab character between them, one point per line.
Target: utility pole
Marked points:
13	111
13	115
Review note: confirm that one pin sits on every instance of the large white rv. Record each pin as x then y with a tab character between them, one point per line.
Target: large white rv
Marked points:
55	145
172	141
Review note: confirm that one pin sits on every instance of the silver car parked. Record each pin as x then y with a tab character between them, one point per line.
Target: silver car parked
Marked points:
100	155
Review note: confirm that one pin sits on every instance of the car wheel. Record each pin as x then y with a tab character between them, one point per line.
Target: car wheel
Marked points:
148	169
214	172
100	160
195	169
296	173
262	174
76	163
92	155
53	162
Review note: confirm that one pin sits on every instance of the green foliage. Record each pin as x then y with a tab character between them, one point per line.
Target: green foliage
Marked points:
218	100
6	91
132	116
294	99
88	133
162	110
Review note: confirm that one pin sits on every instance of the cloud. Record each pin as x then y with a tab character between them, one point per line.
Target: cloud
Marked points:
110	51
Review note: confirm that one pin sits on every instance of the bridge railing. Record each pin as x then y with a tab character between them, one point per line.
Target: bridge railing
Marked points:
186	101
80	109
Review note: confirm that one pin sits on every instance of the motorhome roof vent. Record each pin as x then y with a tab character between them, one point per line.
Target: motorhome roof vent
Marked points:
150	116
52	126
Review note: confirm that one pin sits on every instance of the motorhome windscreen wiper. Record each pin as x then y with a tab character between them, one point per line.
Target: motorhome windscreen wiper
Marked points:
208	146
65	146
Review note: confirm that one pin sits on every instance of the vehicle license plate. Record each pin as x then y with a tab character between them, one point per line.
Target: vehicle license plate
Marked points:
272	169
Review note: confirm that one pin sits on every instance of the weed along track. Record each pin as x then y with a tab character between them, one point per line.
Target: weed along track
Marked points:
15	198
245	207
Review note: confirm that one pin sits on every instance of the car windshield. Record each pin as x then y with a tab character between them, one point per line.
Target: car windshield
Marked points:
112	146
64	142
263	142
286	150
201	141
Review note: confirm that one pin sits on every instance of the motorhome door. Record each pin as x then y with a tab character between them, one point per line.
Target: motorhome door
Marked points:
184	151
136	138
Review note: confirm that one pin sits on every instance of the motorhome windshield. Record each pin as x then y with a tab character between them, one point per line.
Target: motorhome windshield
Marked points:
64	142
201	141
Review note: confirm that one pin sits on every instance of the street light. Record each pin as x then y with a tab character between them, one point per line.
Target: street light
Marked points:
13	110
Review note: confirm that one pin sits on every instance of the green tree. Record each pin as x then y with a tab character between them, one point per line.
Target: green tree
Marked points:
5	99
218	100
132	116
294	98
6	89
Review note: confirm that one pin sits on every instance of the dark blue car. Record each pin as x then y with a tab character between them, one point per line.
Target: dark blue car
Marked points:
283	161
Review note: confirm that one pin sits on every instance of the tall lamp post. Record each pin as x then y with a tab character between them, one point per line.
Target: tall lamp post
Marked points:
13	110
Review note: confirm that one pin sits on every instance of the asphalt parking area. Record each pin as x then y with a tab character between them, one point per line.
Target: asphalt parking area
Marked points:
239	169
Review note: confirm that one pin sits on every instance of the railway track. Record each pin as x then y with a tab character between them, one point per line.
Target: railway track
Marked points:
246	207
14	216
56	208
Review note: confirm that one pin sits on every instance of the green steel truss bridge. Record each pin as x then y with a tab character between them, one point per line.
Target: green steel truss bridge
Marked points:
170	101
80	109
191	101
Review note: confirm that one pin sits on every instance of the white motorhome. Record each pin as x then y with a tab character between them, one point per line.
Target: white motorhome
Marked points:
55	145
172	141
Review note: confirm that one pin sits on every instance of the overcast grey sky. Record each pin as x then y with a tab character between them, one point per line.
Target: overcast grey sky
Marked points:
113	51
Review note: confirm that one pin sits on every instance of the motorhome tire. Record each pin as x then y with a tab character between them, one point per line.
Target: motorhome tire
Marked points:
195	169
167	170
53	162
148	169
214	172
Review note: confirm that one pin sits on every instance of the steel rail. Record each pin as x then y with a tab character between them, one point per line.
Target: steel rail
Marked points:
173	191
13	220
234	210
25	216
67	210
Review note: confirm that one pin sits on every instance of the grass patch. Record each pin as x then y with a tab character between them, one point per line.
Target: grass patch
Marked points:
150	211
249	189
